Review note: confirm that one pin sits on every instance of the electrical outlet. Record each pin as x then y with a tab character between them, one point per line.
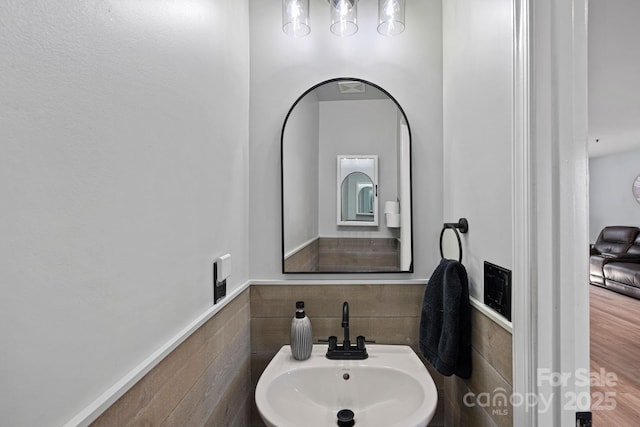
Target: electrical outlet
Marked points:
583	419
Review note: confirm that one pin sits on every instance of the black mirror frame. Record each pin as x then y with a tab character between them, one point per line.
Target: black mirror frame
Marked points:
284	125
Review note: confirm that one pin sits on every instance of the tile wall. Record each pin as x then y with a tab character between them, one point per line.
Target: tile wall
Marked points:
204	382
209	380
343	254
483	400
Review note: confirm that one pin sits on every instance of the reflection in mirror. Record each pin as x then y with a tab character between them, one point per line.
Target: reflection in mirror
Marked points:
333	226
356	198
365	198
357	190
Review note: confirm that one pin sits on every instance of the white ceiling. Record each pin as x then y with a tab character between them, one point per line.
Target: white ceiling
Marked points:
614	76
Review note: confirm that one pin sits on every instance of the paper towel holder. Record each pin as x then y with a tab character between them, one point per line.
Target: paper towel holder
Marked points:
392	220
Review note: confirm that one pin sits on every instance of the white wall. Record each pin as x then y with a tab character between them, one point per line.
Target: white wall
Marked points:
301	166
614	70
611	201
408	66
478	130
370	128
124	172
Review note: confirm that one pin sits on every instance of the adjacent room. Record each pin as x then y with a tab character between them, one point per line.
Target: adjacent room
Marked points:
614	209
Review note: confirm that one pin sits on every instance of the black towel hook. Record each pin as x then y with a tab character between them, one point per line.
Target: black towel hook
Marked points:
463	226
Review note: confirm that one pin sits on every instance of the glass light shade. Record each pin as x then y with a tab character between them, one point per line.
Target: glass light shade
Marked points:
344	17
295	17
391	17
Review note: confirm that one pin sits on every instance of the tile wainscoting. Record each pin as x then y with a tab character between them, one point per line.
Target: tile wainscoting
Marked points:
205	381
339	254
209	379
388	314
483	400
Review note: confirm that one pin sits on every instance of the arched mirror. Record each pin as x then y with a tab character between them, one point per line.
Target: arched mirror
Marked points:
346	181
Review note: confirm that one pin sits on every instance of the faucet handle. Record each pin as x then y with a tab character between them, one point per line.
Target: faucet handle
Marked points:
333	343
360	342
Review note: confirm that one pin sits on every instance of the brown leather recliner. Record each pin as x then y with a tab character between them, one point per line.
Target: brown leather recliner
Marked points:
623	277
614	244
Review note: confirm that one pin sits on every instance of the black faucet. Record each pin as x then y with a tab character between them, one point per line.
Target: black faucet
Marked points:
345	325
346	350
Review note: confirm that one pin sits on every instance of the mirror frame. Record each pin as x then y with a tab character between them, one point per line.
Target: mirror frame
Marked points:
282	132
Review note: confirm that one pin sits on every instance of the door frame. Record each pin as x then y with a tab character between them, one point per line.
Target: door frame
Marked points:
550	220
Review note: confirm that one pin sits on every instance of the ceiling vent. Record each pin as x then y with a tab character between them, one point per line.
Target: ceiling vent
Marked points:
351	87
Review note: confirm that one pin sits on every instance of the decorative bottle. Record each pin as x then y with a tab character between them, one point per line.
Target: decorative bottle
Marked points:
301	335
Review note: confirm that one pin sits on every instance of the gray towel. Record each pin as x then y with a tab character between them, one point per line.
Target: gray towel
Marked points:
445	325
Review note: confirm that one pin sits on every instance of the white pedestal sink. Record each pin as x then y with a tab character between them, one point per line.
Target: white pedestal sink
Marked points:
391	388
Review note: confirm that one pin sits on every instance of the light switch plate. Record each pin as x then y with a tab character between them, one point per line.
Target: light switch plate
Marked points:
221	271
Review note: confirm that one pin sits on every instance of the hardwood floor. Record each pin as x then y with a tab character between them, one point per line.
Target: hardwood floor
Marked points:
615	348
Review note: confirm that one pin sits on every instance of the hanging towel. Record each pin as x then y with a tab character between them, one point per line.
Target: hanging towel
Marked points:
445	325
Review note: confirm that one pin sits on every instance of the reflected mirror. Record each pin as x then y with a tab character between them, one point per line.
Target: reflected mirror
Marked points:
352	215
357	200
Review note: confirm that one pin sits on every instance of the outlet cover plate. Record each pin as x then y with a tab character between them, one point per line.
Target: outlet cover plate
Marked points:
497	289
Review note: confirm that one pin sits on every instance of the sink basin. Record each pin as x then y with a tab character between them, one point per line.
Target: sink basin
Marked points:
392	388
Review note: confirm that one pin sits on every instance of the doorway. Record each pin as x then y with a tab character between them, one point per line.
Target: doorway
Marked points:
614	163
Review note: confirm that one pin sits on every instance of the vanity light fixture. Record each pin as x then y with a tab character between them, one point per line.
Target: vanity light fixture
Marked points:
391	17
295	17
344	17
